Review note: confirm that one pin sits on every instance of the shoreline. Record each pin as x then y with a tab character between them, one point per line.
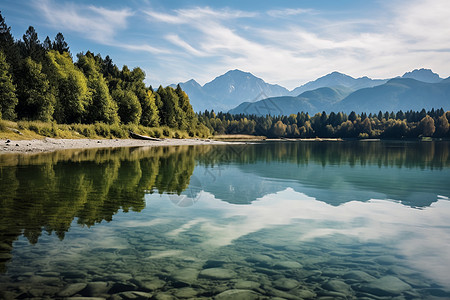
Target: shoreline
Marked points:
47	144
51	144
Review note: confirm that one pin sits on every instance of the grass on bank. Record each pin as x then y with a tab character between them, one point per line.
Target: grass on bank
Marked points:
23	130
238	137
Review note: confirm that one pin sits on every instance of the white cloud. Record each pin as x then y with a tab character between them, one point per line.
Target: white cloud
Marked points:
185	16
141	47
97	23
293	217
280	13
176	40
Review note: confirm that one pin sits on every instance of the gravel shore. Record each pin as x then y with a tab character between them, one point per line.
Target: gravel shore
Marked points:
50	144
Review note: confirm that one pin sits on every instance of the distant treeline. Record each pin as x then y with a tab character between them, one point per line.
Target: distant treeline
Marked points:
410	124
40	81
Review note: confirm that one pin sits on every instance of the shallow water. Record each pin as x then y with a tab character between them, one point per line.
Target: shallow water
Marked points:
290	220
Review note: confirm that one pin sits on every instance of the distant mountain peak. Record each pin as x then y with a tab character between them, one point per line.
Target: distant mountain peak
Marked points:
425	75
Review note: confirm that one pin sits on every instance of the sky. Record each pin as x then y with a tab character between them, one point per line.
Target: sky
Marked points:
283	42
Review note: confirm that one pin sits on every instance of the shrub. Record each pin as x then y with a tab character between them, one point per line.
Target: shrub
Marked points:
3	126
166	132
118	132
157	132
102	129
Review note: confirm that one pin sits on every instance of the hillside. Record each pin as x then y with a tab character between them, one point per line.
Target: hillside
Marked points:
398	94
336	79
314	101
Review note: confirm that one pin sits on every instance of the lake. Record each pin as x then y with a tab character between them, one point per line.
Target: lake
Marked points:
327	220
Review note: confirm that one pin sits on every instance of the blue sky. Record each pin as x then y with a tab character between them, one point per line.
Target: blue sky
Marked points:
284	42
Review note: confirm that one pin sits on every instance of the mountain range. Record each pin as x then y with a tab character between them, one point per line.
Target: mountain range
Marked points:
229	90
241	92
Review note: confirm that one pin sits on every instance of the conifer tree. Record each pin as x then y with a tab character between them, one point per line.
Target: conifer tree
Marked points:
150	116
9	47
60	44
31	46
8	98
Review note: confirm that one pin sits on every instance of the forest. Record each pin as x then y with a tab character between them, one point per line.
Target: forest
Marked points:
386	125
41	82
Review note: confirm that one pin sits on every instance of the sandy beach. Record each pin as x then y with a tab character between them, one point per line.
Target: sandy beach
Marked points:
50	144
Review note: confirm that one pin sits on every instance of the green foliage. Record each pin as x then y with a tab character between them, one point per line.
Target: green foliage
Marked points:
36	100
149	115
8	98
387	125
60	44
31	46
101	107
168	106
130	110
426	126
72	93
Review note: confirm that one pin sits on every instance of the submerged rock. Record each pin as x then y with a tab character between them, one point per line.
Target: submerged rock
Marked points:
359	276
163	296
218	273
134	295
71	289
186	292
260	259
305	294
186	276
152	284
286	284
246	285
287	264
386	286
237	295
96	288
119	287
337	286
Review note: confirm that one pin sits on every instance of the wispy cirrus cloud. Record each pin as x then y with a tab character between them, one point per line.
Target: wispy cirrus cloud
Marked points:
97	23
277	13
184	16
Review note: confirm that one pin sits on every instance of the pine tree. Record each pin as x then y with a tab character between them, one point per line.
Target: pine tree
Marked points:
9	47
60	44
8	98
185	108
31	46
150	115
47	44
